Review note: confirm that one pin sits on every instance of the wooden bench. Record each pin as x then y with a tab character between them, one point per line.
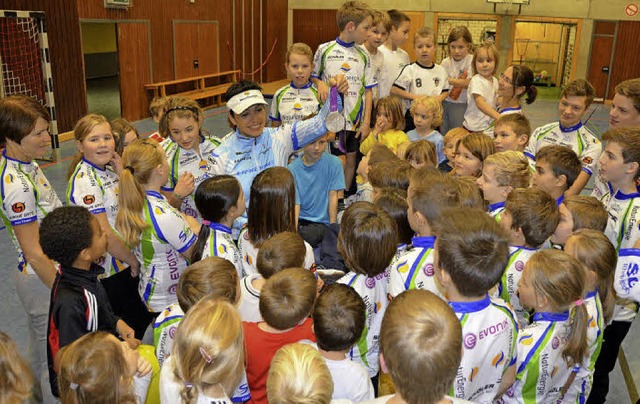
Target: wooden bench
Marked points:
207	89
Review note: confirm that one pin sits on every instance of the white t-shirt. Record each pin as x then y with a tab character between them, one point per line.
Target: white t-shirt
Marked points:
249	254
489	331
578	138
474	119
96	189
394	61
377	63
508	286
164	331
220	244
421	80
291	104
249	304
159	252
414	269
454	69
202	164
170	389
374	293
384	399
542	372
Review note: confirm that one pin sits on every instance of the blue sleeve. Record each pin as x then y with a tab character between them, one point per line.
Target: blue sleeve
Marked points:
307	132
336	176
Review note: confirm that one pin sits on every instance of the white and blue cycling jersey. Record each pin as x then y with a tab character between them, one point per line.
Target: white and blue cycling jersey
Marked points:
595	328
508	286
164	330
164	240
627	277
495	210
414	268
489	331
220	244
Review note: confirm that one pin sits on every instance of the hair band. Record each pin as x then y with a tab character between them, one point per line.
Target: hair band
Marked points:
205	355
206	222
579	302
130	168
182	108
73	386
188	385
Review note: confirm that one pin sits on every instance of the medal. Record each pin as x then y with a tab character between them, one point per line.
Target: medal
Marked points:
335	121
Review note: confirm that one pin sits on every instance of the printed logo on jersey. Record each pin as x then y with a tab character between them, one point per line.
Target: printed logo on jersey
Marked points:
222	249
345	67
172	289
436	81
247	259
18	207
203	165
44	183
403	267
592	322
555	342
498	359
470	340
554	371
473	373
88	199
519	266
377	307
428	270
370	283
526	339
8	178
172	331
297	106
159	211
587	160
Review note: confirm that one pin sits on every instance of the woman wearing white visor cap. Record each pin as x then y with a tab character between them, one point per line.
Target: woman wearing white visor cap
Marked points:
252	147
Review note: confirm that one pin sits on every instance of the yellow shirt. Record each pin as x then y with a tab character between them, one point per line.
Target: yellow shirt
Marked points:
391	138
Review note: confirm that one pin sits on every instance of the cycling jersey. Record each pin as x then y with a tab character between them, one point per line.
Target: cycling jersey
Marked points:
291	104
164	331
414	269
508	286
220	244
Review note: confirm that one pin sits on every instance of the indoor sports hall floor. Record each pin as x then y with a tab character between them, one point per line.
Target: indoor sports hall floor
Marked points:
12	319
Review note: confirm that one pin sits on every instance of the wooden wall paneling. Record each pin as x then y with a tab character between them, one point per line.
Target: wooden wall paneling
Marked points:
601	48
604	28
274	32
626	59
208	45
314	27
185	36
63	28
135	68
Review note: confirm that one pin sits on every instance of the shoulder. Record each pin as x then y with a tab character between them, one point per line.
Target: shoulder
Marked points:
331	159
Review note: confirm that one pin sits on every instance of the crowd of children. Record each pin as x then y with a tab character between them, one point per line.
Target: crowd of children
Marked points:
469	267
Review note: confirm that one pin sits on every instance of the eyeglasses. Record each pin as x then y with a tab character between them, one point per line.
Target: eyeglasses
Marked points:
506	79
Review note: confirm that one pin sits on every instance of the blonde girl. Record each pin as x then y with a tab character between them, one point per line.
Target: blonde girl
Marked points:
594	250
160	236
483	90
93	184
273	210
388	127
427	116
97	368
421	153
207	362
17	380
501	173
458	68
189	152
552	284
471	151
299	98
299	374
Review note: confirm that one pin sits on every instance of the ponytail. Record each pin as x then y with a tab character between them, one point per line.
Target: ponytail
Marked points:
75	160
523	76
577	345
198	248
140	158
532	93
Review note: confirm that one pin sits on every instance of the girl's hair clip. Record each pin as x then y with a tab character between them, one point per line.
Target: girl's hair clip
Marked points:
73	386
188	385
182	108
579	302
206	222
205	355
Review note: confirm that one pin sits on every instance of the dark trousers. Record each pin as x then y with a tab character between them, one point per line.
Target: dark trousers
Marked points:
611	340
311	232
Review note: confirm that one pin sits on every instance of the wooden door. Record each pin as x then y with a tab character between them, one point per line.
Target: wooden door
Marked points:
599	63
135	68
417	22
195	48
626	58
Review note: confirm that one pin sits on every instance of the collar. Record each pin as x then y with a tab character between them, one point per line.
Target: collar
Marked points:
570	128
343	43
92	165
221	227
621	196
154	193
591	294
309	84
426	67
551	316
496	205
4	154
470	307
246	139
91	274
424	242
560	199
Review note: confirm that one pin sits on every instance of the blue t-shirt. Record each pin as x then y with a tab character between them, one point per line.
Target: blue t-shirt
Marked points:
434	137
313	184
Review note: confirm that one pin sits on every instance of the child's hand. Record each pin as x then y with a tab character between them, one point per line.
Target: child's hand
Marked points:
323	91
144	367
135	268
127	334
116	163
185	185
340	82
